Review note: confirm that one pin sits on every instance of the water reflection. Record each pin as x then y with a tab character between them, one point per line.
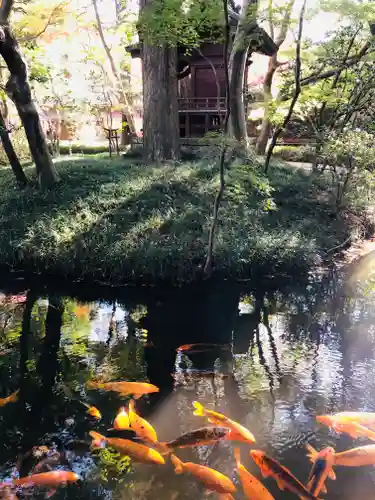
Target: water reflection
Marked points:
296	351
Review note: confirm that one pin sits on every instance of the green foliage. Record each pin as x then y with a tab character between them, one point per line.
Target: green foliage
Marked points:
113	221
20	144
83	149
295	153
350	156
112	466
180	22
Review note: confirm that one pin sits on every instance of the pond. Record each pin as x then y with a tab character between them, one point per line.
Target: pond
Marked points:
290	353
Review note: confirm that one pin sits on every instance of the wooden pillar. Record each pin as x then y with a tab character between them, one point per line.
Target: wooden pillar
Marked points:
206	123
187	125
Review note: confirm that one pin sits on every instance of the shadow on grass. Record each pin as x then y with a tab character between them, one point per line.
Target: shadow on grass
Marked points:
112	221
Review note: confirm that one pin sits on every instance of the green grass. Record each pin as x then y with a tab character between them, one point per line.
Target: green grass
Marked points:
111	221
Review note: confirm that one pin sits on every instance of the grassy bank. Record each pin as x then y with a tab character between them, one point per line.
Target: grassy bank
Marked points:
111	221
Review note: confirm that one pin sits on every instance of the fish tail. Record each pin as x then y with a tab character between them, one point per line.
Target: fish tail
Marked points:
92	385
14	397
97	439
178	465
237	457
199	409
312	452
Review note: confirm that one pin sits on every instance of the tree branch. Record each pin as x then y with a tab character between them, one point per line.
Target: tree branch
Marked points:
297	90
5	10
28	38
211	237
284	24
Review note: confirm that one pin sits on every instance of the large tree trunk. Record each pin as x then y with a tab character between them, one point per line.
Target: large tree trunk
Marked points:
18	89
237	67
160	116
11	154
265	130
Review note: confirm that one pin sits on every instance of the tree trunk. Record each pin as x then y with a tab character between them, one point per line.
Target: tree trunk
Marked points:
160	116
128	111
11	154
18	90
237	67
261	144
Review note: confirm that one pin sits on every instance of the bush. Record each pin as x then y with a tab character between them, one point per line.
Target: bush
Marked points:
304	154
84	149
21	147
350	158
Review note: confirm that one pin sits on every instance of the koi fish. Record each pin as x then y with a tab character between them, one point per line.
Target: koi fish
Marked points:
321	469
239	432
199	437
344	426
10	399
192	348
138	451
211	478
53	459
284	478
225	496
93	411
123	434
355	457
366	419
253	488
121	422
138	389
143	428
51	478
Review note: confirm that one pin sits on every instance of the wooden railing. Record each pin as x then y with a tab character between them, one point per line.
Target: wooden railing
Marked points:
201	103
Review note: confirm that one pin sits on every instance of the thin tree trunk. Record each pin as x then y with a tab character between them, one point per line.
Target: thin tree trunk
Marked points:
11	154
262	140
207	270
297	90
160	117
18	90
261	143
237	67
124	97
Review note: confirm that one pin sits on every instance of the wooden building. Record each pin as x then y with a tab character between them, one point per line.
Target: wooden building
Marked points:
201	82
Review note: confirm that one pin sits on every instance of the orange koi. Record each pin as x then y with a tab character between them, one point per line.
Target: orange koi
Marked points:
239	432
355	457
345	426
10	399
138	451
121	422
143	428
212	479
366	419
284	478
92	411
193	348
50	479
137	389
252	487
321	469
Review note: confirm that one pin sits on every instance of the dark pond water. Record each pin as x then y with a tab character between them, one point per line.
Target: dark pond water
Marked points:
296	351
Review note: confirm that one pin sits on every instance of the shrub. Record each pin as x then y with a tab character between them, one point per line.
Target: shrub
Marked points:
350	158
21	147
76	148
304	154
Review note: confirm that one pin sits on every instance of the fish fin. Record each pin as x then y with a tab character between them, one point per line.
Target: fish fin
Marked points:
132	406
312	452
199	409
331	474
137	396
163	448
14	397
324	489
237	457
178	465
50	493
265	473
97	439
280	483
